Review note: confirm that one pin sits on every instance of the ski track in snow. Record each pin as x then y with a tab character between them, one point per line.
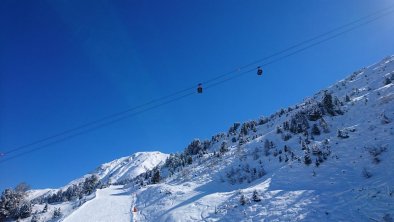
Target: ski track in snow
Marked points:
111	204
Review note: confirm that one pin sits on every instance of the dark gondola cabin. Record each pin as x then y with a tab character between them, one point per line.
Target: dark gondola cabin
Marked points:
199	88
259	71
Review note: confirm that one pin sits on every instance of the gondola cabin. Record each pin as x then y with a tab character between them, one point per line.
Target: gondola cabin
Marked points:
259	71
199	88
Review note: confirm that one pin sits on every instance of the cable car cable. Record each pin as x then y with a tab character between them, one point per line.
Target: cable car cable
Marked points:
65	132
96	127
298	50
299	44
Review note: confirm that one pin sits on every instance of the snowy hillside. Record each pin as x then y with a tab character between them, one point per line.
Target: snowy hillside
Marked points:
126	168
75	194
329	158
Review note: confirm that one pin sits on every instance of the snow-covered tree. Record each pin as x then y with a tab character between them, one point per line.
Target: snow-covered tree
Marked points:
45	208
13	204
233	129
387	81
57	213
315	130
156	176
347	98
189	160
90	184
25	210
307	159
223	147
73	192
331	104
286	136
286	125
299	123
194	147
242	199
315	112
256	197
328	103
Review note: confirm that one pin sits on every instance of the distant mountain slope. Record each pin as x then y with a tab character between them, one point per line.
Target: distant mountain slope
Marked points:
125	168
329	158
129	167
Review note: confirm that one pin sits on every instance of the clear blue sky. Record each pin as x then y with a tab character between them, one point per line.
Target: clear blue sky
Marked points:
64	63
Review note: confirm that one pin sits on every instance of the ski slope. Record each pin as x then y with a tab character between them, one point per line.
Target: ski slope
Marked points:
110	204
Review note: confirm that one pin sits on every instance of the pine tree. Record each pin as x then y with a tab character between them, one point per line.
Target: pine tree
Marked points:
278	130
242	200
256	197
45	208
25	210
189	160
12	201
327	103
317	163
223	147
307	159
387	81
244	129
156	176
347	98
90	184
57	213
314	113
315	130
286	125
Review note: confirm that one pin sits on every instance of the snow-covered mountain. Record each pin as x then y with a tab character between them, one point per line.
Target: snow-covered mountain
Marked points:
329	158
129	167
126	168
119	170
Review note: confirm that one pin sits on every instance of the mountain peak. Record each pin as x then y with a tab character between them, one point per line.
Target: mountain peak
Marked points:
127	168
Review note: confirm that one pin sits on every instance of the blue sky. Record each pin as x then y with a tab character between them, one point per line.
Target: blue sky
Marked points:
65	63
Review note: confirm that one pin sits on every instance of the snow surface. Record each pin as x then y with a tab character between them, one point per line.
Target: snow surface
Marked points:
129	167
113	172
111	204
354	183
